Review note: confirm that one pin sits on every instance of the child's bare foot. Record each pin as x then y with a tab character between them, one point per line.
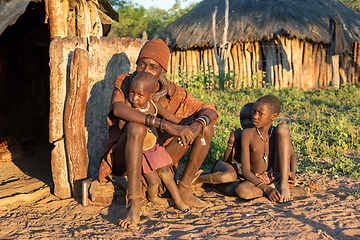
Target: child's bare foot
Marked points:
189	199
285	192
158	200
132	216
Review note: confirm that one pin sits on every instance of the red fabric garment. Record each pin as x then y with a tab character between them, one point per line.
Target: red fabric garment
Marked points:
155	158
177	100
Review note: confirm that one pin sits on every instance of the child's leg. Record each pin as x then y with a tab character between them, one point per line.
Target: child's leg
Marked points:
170	184
283	152
247	190
293	166
223	173
153	181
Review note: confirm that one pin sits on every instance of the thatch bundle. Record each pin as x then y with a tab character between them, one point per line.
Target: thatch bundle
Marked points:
267	35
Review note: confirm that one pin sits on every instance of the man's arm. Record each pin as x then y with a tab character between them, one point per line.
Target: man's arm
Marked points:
196	128
130	114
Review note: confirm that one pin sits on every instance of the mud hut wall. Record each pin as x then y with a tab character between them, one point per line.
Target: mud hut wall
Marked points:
107	59
286	62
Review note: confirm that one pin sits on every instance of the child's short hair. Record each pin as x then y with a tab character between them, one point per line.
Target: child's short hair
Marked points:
272	101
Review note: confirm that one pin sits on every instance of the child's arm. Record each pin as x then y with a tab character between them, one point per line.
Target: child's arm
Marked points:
232	147
245	158
166	114
229	152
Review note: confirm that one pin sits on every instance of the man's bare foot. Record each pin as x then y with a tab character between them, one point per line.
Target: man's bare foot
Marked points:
189	199
285	193
132	216
182	206
155	199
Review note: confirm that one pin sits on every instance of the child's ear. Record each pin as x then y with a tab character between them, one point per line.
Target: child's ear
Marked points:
274	116
151	96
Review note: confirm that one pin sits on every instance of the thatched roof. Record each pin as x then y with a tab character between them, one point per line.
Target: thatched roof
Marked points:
254	20
11	10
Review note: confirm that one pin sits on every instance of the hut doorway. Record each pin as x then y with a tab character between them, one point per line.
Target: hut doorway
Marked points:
24	92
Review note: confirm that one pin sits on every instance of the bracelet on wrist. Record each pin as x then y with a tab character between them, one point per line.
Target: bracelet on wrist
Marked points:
153	121
160	126
207	119
147	120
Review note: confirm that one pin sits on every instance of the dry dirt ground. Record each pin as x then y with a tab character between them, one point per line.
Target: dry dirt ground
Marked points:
330	212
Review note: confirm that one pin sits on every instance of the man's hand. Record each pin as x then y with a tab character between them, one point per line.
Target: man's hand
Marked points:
182	131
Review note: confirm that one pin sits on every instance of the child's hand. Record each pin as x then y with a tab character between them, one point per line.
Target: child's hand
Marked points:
272	193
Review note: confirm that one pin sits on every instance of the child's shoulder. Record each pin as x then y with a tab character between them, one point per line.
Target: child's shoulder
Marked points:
247	132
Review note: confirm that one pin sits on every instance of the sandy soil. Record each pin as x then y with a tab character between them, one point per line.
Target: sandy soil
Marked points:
328	213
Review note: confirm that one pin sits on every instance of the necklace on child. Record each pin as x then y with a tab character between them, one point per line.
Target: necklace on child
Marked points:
265	157
144	109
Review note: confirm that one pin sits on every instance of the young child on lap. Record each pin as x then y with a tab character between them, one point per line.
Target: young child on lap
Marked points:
156	160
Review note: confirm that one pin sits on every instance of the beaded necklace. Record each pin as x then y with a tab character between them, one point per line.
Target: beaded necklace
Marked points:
144	109
265	157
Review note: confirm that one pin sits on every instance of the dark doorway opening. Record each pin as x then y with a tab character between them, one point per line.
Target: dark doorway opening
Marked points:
24	91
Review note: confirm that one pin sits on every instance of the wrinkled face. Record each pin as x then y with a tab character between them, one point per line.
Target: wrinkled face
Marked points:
262	115
139	94
150	66
246	117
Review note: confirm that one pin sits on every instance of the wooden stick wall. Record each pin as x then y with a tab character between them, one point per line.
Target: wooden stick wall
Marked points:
286	62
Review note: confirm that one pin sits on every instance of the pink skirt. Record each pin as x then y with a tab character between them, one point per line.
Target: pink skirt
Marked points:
154	158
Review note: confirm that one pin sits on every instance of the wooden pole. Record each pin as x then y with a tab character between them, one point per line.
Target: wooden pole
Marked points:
234	53
258	62
308	67
74	120
342	70
205	62
323	67
196	60
357	64
56	18
247	55
335	80
297	61
285	45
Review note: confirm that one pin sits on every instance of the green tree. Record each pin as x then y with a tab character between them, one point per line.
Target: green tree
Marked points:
134	19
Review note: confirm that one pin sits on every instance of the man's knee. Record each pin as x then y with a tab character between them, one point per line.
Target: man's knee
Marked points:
135	131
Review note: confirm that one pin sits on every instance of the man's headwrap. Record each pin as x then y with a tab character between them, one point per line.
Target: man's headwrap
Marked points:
156	50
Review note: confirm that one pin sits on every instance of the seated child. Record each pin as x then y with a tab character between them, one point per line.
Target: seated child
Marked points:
226	174
263	162
156	160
